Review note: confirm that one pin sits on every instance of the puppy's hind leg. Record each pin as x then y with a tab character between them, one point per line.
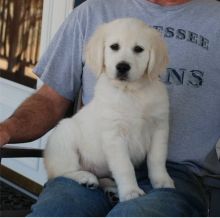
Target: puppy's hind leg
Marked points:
110	188
62	155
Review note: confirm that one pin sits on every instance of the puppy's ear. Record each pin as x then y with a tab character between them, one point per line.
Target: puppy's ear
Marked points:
94	52
158	59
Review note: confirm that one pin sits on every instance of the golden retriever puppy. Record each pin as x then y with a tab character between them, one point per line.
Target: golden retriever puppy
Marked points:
126	122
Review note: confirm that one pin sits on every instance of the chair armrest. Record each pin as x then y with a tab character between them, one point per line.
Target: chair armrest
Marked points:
212	184
19	152
212	181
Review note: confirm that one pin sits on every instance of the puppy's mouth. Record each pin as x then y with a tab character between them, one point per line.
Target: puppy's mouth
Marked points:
122	77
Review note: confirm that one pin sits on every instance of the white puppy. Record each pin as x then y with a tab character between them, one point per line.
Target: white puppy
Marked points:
126	121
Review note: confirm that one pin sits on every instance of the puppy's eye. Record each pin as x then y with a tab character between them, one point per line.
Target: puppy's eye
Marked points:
115	47
138	49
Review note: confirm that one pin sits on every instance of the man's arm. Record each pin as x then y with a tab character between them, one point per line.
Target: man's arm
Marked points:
34	117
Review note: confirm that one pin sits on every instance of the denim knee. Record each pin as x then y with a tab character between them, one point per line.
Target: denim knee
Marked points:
65	197
158	202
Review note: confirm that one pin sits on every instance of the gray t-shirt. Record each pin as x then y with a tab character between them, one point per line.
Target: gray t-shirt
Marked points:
192	33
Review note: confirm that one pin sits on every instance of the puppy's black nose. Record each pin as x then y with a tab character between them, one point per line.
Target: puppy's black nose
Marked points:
122	70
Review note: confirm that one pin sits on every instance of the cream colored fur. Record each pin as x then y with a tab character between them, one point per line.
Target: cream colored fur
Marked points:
125	122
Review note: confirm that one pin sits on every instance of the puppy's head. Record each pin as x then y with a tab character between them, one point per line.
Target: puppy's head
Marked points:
126	50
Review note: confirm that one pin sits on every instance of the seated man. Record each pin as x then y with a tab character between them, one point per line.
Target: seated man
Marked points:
191	30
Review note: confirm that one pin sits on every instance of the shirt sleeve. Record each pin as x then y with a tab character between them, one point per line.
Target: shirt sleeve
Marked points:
60	67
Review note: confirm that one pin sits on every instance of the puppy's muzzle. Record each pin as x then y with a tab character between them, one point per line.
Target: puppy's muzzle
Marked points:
122	70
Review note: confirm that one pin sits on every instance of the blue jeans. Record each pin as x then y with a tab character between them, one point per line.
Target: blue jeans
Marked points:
64	197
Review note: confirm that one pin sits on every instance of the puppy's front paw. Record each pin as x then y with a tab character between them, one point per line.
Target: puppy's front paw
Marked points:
132	193
162	181
84	178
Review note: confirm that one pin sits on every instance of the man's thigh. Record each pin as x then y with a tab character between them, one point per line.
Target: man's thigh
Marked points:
64	197
187	199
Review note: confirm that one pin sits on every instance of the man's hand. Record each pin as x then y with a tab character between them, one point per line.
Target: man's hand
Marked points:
4	135
34	117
